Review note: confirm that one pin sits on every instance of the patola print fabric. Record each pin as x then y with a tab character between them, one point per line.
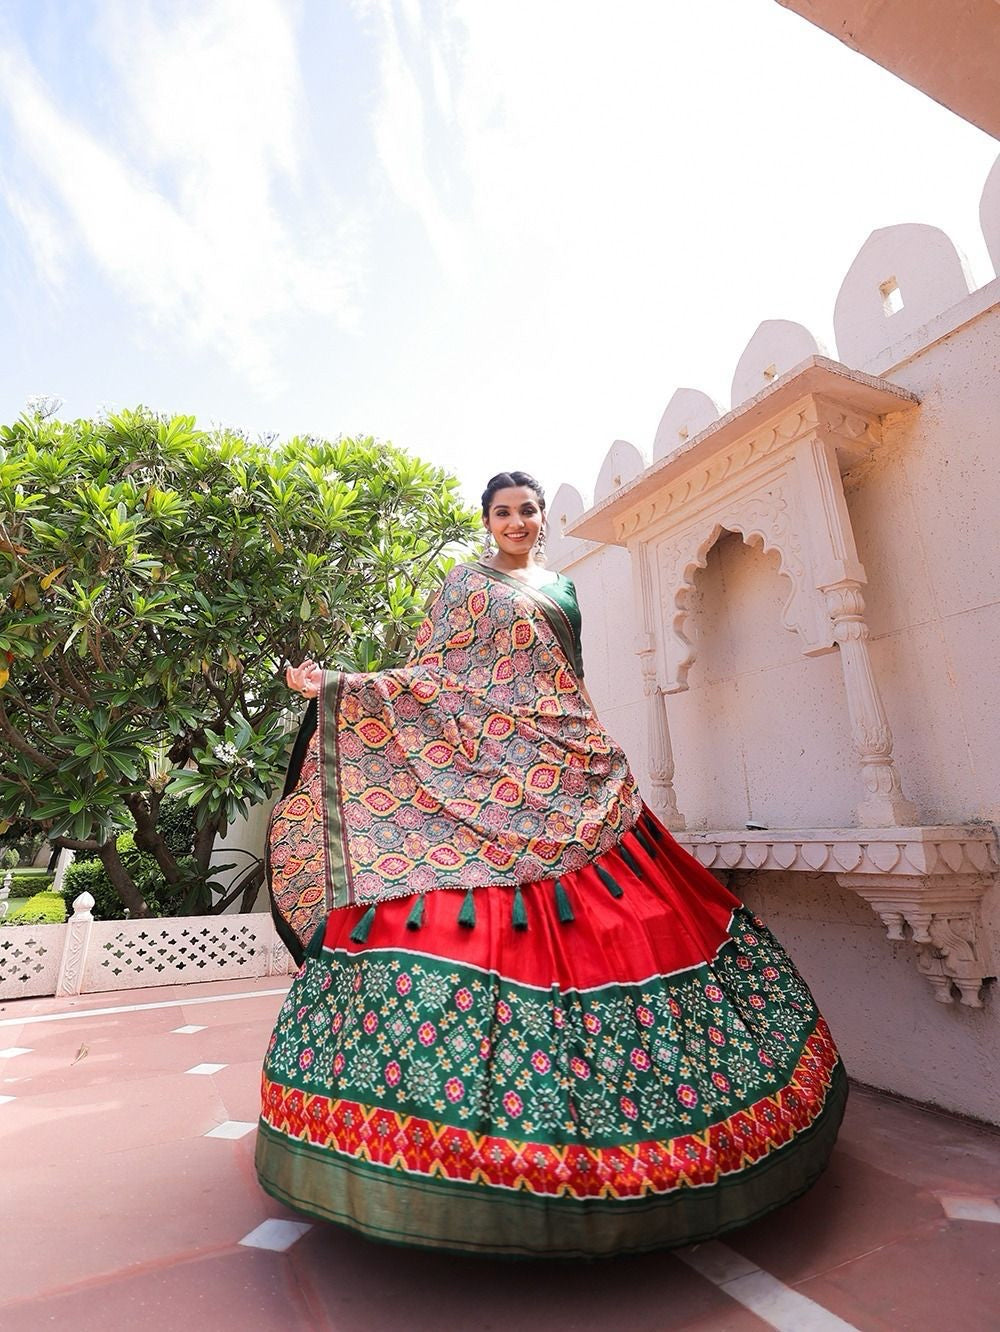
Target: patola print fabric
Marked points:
643	1070
477	763
595	1048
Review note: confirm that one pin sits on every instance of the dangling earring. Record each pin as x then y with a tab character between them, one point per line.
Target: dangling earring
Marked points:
487	548
540	547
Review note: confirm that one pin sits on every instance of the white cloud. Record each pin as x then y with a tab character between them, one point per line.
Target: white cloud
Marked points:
184	215
408	124
47	242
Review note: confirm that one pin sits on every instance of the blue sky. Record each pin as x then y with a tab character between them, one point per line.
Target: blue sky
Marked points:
497	234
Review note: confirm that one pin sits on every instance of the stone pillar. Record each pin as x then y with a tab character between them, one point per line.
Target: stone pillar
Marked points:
884	805
663	800
74	957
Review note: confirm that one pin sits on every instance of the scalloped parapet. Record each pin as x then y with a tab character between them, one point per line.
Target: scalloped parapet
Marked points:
776	346
924	884
622	463
902	277
687	414
989	215
563	509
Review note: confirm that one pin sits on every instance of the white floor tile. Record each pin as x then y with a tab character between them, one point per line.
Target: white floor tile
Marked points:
770	1299
186	1031
785	1309
716	1262
13	1051
205	1068
276	1233
232	1128
970	1207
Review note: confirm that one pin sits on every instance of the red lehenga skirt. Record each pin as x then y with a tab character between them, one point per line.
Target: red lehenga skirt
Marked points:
616	1061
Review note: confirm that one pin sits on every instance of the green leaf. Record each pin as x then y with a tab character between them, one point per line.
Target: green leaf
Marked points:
190	565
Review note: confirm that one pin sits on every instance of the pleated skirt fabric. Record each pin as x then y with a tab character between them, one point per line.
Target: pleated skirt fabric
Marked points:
621	1060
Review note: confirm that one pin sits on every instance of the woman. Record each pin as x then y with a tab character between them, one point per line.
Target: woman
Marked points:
591	1047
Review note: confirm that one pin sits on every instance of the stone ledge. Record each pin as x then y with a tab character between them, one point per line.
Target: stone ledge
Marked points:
925	884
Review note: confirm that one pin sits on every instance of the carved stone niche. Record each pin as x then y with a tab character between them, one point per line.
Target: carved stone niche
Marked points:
771	471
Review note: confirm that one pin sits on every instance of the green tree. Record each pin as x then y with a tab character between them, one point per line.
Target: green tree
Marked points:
154	578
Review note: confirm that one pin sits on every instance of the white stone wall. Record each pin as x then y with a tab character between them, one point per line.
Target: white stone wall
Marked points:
762	732
890	1031
242	844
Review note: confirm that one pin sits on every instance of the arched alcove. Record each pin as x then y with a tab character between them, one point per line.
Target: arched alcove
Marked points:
753	706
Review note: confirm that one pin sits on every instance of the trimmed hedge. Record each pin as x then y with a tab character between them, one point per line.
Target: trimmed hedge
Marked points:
45	908
26	882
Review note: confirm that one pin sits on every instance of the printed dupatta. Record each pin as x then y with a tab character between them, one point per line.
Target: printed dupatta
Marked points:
477	763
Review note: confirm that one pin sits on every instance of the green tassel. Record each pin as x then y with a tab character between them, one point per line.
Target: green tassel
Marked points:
564	907
467	916
315	948
613	888
360	932
416	917
657	832
629	859
518	915
645	843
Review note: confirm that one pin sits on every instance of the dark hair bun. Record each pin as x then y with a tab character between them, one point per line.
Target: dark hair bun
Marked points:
506	481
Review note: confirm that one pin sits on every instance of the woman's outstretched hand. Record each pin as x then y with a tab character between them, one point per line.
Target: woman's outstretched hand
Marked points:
306	679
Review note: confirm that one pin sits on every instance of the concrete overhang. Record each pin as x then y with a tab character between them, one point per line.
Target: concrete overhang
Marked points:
816	377
951	52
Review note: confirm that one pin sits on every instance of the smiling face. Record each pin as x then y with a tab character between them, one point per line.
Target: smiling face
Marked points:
515	519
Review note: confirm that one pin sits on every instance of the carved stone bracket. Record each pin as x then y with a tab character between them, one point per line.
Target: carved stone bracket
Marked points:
924	884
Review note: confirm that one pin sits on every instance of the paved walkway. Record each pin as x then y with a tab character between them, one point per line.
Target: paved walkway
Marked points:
129	1201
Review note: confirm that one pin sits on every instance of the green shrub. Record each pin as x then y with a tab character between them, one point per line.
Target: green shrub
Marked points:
176	824
88	876
25	882
45	908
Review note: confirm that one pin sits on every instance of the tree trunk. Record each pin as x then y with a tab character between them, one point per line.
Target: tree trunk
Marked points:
252	888
147	838
204	844
122	880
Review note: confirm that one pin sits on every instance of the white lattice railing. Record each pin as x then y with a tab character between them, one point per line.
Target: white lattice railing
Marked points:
86	956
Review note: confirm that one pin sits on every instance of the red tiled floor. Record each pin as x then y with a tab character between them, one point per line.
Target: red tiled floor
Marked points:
242	1291
733	1319
809	1235
363	1286
947	1278
106	1119
928	1148
121	1214
105	1213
